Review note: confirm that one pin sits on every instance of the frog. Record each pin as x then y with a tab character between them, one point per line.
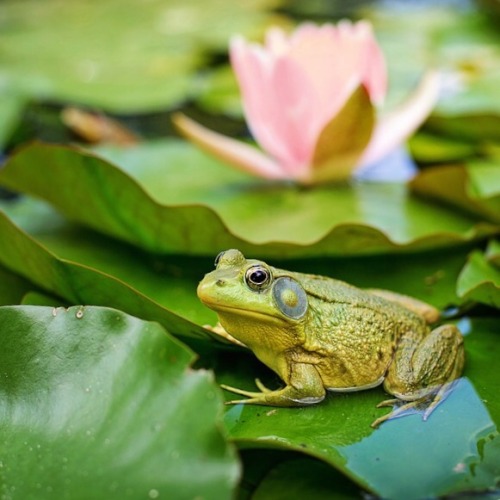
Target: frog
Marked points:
322	335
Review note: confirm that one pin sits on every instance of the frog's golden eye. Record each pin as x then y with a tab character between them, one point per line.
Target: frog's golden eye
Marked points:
218	258
257	277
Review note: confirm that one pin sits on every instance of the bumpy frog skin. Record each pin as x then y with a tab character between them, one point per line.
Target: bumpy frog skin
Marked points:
322	334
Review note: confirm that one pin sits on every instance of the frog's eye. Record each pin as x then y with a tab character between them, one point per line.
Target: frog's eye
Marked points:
218	258
257	277
290	297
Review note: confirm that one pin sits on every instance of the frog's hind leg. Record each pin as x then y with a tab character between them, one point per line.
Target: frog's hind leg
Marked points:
423	369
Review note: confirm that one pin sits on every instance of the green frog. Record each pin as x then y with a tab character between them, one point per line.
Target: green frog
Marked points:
320	334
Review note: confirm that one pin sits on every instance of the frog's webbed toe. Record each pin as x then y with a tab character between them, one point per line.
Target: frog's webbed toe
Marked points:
261	386
427	403
395	412
388	402
255	397
289	395
423	372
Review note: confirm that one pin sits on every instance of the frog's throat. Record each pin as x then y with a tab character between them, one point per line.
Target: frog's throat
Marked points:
257	315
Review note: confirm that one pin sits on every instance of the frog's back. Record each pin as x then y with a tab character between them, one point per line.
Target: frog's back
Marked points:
352	332
329	291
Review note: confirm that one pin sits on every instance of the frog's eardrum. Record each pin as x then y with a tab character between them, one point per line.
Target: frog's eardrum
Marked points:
290	297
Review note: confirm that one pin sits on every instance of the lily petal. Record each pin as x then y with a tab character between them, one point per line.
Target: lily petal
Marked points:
236	153
343	140
393	129
281	107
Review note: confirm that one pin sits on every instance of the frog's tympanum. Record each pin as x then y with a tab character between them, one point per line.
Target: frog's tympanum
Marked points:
320	334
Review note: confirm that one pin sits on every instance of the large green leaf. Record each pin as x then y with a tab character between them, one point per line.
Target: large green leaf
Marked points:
95	403
180	201
405	457
122	55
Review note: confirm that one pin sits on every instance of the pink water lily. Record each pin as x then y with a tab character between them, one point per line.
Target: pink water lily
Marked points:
310	102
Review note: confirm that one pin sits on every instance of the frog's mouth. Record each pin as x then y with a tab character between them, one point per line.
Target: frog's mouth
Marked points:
239	311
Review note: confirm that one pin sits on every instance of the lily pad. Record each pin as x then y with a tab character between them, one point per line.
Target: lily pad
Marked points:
404	458
493	253
11	106
95	403
120	55
480	280
161	209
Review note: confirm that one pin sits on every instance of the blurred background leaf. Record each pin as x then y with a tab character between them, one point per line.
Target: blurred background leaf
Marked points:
174	186
132	55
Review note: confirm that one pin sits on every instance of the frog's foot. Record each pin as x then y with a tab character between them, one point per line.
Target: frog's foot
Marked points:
254	397
288	396
248	394
261	386
305	388
444	390
429	402
423	370
388	402
395	412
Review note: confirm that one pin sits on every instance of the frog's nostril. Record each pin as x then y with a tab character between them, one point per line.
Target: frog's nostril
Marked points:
220	282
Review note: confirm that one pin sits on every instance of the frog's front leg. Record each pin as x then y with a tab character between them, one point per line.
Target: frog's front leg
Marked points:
423	368
304	387
221	332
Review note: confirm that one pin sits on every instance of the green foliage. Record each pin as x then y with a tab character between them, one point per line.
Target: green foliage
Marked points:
120	55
